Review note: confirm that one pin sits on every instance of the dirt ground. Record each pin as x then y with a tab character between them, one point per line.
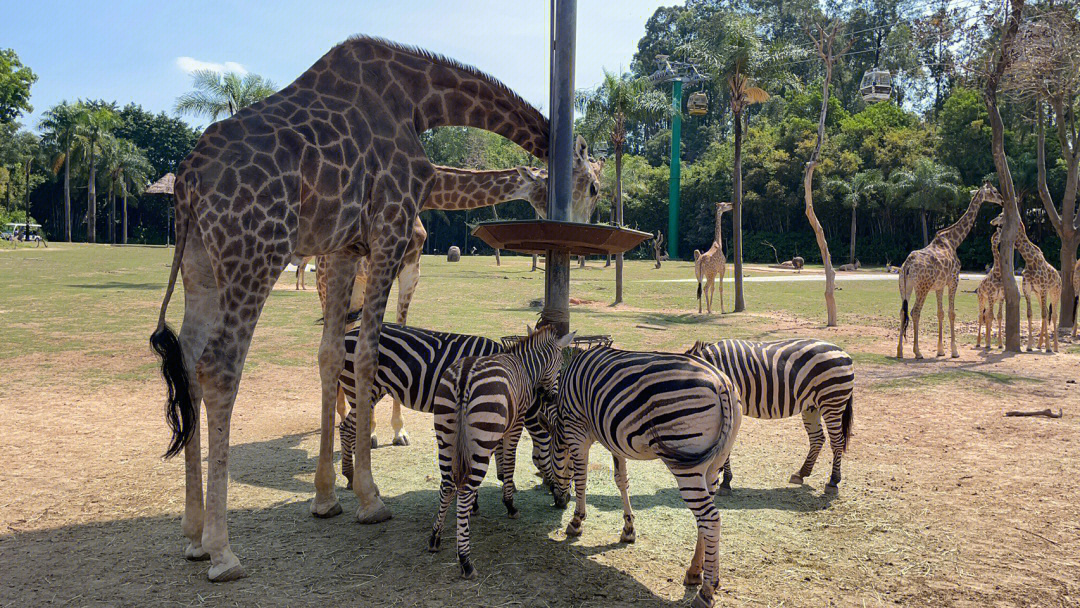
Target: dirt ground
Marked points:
944	502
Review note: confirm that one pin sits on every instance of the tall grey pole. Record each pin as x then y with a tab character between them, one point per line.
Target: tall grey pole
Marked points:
561	160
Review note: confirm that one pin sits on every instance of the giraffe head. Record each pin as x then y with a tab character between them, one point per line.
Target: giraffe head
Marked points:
586	185
998	221
988	194
722	208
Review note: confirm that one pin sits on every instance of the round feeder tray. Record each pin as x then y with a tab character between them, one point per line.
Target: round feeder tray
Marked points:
538	236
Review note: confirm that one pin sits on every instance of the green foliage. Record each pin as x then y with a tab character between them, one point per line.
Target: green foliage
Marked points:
218	95
15	82
164	139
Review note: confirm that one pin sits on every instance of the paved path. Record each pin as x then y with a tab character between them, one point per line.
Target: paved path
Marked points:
788	278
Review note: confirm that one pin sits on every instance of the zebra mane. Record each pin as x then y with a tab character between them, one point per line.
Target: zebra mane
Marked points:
529	341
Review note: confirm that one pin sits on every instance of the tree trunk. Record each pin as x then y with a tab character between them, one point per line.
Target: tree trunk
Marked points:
1066	223
736	214
618	222
925	235
851	255
91	202
123	213
534	264
112	213
1069	316
67	194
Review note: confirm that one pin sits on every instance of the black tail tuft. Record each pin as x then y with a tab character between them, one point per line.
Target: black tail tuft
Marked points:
180	413
699	290
846	420
352	317
903	318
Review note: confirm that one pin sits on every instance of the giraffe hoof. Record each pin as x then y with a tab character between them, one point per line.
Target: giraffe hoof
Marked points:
628	536
796	479
326	510
956	355
831	489
692	579
196	554
376	514
226	573
401	439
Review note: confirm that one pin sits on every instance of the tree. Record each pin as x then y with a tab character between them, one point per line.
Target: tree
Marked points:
95	125
164	139
607	109
217	95
823	35
862	190
59	127
133	172
15	82
929	186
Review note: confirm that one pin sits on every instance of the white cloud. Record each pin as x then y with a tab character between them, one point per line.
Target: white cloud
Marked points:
190	64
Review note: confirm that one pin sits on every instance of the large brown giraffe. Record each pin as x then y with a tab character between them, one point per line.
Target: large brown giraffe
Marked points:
455	190
330	165
936	268
991	290
712	263
1044	281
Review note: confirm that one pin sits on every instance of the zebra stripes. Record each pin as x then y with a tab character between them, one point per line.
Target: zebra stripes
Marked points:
642	406
787	377
480	406
411	361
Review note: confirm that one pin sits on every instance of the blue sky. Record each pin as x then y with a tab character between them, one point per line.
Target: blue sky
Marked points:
141	51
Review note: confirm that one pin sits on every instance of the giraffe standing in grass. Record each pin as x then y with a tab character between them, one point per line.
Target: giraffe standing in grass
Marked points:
936	268
1044	281
330	165
301	267
711	264
991	290
456	190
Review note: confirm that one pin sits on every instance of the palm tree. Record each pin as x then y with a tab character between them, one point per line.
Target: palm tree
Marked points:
607	108
134	172
735	55
95	125
928	186
59	128
862	190
217	95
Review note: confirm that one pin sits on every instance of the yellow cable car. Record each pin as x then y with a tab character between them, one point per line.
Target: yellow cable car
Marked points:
697	104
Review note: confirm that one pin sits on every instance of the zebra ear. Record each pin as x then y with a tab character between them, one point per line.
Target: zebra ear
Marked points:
529	330
566	340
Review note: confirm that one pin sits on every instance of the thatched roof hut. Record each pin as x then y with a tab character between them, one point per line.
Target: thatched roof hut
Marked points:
163	185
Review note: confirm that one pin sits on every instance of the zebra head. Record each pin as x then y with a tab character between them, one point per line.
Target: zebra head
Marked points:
541	356
558	456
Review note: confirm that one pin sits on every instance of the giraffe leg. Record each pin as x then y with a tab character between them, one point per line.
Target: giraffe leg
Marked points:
409	277
1031	332
979	318
710	291
622	480
952	319
940	322
1054	316
1000	321
812	423
340	268
916	312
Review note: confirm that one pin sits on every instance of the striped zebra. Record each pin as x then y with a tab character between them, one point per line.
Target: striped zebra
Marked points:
480	405
411	360
643	406
787	377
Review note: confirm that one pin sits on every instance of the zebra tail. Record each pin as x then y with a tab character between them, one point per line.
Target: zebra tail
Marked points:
459	464
846	420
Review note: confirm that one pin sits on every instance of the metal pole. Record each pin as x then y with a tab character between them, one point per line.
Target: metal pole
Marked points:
673	183
561	161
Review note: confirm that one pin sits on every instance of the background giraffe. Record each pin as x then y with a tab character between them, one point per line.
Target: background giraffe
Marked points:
991	290
454	190
711	263
1043	280
330	165
936	268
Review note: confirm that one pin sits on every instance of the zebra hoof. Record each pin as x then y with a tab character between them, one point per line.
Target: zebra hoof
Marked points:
796	479
325	511
832	489
467	571
377	513
692	579
572	529
433	543
401	439
628	536
511	511
348	486
700	601
196	554
724	490
374	442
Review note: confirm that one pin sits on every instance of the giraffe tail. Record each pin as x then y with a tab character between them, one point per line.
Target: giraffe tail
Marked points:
904	293
180	413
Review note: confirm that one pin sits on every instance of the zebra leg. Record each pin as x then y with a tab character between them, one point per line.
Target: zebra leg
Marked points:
396	422
347	430
812	422
505	467
834	422
623	481
465	502
724	489
579	455
446	494
704	567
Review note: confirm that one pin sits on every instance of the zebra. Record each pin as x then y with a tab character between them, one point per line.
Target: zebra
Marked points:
641	406
786	377
479	405
411	360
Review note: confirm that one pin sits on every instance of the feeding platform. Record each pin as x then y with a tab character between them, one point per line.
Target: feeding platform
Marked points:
575	238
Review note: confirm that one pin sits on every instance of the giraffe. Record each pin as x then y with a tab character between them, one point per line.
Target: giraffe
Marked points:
1044	281
454	190
991	290
935	268
330	165
711	263
301	267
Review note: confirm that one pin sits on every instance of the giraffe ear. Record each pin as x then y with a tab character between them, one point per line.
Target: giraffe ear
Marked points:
581	149
527	174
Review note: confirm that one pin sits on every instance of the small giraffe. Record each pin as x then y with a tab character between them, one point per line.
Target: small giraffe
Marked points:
991	290
1043	280
711	264
331	165
936	268
301	266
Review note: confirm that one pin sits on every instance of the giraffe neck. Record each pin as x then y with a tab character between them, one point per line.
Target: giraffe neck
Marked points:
427	90
995	245
955	234
1032	255
719	236
459	189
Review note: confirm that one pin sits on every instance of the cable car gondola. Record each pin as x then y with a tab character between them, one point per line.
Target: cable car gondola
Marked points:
697	104
876	85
